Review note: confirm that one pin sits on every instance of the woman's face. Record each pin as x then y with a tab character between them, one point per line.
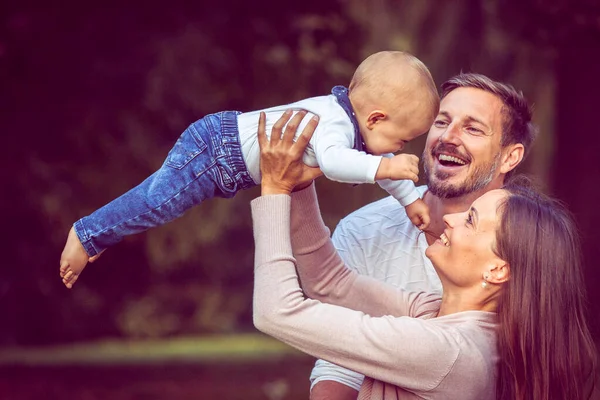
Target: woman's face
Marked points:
464	252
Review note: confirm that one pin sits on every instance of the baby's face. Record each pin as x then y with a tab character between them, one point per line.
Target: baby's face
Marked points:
391	134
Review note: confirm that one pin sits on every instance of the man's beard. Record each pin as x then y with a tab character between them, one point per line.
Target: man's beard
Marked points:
480	178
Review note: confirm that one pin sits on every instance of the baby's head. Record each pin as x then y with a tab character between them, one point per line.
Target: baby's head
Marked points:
395	100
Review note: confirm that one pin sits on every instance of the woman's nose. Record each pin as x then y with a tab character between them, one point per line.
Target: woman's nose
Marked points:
446	220
449	219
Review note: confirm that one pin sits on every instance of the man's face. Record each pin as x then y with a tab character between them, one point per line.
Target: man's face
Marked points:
462	151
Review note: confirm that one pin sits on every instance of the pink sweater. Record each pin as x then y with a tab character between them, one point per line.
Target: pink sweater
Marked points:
391	336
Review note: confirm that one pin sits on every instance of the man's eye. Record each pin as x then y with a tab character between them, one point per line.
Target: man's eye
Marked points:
474	130
439	123
469	219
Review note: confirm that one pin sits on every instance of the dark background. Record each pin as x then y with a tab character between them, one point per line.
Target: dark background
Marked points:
92	96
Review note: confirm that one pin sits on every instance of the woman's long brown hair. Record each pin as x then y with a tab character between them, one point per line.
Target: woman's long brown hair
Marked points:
545	346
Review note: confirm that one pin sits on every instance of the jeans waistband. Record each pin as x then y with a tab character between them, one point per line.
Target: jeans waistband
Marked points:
230	141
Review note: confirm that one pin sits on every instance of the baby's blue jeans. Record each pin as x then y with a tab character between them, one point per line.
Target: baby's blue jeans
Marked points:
205	162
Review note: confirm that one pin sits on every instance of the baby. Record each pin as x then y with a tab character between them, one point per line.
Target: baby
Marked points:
392	99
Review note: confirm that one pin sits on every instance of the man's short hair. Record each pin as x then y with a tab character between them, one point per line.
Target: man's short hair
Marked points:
516	126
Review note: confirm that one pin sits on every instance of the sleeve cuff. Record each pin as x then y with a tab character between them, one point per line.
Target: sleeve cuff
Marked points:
372	170
410	198
84	239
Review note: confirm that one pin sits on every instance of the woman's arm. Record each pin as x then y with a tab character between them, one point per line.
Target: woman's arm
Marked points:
407	352
325	277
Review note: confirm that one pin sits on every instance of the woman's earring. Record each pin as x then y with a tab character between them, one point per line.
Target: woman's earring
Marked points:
485	282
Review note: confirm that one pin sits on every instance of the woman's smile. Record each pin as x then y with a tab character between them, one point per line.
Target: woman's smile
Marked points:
444	239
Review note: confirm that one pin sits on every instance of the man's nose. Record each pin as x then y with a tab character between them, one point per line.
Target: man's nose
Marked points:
451	134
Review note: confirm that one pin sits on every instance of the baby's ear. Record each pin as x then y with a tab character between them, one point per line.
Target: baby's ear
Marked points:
375	117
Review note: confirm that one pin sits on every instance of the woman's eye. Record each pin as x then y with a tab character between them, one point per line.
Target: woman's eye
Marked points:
469	219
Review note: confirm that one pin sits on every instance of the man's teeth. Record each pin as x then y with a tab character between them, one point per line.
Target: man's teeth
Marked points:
444	239
444	157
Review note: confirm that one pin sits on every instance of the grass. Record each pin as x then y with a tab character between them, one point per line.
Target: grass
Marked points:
248	366
239	347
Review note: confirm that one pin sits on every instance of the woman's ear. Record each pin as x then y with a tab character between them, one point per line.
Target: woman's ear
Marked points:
511	157
497	272
375	117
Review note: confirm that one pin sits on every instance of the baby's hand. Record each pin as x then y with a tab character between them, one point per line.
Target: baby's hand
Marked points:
418	213
401	166
73	259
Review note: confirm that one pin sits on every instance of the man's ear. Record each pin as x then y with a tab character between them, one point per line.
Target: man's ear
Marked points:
511	157
375	117
497	272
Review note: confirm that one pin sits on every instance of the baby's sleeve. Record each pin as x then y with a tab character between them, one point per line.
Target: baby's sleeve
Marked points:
337	158
403	190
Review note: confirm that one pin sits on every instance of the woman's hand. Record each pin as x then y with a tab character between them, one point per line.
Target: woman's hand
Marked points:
281	163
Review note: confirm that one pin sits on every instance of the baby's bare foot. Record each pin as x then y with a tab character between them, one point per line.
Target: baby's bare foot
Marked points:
69	278
72	260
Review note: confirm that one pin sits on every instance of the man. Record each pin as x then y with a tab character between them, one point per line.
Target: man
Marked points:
482	132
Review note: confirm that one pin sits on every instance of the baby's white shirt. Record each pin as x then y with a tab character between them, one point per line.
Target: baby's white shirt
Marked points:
330	148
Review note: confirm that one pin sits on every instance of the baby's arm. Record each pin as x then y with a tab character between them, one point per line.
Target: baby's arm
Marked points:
407	195
418	213
340	162
398	167
394	173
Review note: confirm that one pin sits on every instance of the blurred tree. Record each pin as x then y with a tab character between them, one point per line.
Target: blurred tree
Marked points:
567	33
94	96
111	88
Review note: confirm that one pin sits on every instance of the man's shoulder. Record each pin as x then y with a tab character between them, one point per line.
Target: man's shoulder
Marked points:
380	241
384	212
383	209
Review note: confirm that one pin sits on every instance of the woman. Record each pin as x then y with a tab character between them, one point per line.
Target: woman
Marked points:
509	325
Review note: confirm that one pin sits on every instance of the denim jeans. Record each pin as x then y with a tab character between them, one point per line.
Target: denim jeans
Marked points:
205	162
